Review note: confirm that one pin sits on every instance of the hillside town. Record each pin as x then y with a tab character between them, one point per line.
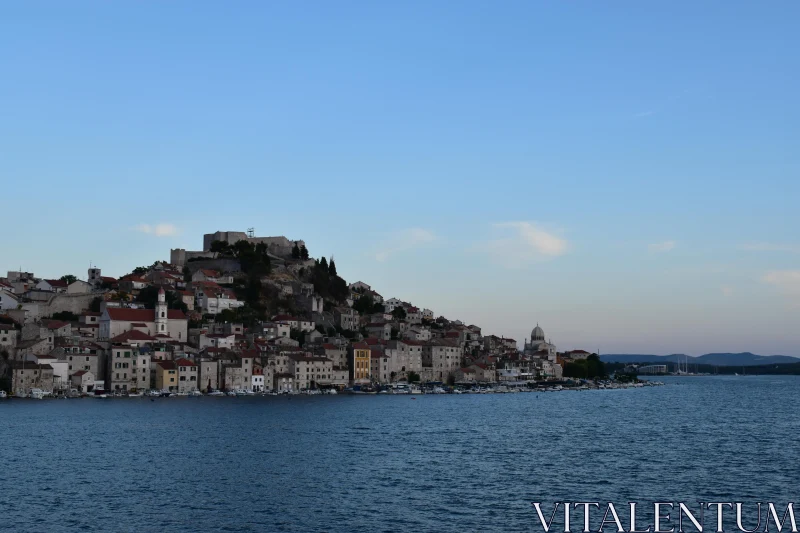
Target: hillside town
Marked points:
245	314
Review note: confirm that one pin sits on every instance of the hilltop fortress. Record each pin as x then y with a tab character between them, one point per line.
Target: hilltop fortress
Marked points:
277	246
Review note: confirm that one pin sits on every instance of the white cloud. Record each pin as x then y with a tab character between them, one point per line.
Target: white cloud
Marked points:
769	247
527	243
665	246
788	281
403	240
159	230
727	291
645	114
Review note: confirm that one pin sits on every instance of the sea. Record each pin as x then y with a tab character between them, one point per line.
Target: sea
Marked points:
440	463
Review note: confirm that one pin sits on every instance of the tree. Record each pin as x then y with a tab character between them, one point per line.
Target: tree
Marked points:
69	278
138	271
395	334
295	251
66	316
187	274
220	248
364	304
94	306
149	297
399	313
413	377
332	268
323	263
304	253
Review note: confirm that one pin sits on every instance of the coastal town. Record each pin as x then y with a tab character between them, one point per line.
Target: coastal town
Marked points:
251	315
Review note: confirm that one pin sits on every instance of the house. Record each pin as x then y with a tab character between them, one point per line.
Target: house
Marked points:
417	333
465	375
159	321
276	329
392	303
214	301
187	297
208	374
8	300
346	318
132	283
166	376
206	275
314	337
257	380
380	372
58	328
442	356
404	357
52	285
359	286
79	287
359	358
216	340
8	336
310	372
26	376
381	330
427	314
128	368
187	375
413	315
295	322
60	369
83	381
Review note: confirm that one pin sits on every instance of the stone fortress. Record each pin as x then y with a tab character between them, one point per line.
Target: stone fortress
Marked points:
276	246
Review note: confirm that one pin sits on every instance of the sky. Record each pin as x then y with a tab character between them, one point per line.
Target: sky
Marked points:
624	174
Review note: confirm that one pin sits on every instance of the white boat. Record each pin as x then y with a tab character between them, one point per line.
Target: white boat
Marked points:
414	390
231	393
216	393
153	393
195	393
249	393
135	395
184	393
331	391
37	394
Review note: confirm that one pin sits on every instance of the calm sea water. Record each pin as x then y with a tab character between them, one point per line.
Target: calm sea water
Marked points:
354	463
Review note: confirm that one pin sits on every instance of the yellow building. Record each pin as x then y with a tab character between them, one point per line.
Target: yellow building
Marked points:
359	359
167	376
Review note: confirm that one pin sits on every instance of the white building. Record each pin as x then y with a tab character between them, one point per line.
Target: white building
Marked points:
159	321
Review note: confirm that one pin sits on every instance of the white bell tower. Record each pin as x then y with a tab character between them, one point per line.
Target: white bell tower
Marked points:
161	313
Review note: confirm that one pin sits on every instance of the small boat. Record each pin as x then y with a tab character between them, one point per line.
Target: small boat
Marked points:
249	393
195	393
216	393
154	393
231	393
37	394
3	395
135	395
165	393
183	393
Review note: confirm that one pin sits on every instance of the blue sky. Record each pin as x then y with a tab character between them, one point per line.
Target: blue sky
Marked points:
625	174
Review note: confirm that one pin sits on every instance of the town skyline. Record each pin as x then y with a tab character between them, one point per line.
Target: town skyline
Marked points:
631	199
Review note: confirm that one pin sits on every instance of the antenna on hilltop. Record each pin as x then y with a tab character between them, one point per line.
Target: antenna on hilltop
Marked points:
251	232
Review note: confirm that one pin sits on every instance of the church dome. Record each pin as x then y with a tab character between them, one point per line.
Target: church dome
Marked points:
537	334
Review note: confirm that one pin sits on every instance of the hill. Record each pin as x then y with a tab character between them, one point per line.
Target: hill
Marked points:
716	359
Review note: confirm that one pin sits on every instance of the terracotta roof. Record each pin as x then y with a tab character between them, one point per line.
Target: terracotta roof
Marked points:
361	346
132	335
80	372
90	313
329	346
184	362
56	282
54	324
467	370
125	314
285	318
210	273
167	365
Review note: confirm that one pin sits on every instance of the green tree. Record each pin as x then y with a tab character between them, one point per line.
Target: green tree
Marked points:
304	253
364	304
323	263
66	316
138	271
413	377
187	274
69	278
332	268
149	297
399	313
94	305
395	334
220	248
295	251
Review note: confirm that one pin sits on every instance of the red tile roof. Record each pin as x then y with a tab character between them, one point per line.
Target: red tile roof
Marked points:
54	324
132	335
80	373
166	365
361	346
184	362
56	282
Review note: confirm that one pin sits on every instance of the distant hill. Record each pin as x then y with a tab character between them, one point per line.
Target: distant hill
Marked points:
717	359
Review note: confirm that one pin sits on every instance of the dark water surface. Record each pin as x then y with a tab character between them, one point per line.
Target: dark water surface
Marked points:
389	463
